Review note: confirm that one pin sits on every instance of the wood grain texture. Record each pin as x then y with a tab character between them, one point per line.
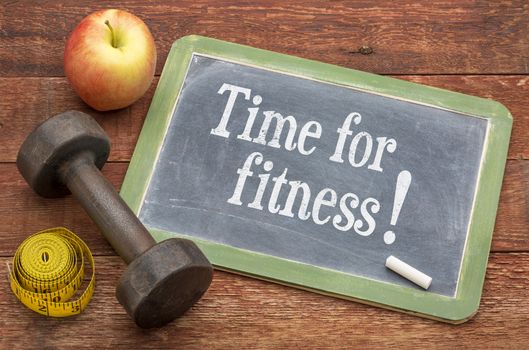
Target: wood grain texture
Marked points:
26	102
485	43
29	213
244	313
406	37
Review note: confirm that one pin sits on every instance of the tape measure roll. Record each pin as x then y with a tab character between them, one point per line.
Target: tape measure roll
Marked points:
48	269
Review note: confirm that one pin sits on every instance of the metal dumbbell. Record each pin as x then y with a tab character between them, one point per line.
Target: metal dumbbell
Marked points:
162	281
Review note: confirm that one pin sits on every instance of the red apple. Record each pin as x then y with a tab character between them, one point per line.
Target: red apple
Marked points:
110	59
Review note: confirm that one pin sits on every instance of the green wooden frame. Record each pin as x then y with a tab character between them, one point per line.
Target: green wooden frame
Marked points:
450	309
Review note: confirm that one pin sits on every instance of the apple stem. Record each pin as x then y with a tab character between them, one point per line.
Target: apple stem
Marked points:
111	32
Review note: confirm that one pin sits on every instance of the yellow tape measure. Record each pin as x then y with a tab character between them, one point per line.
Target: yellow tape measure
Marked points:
48	269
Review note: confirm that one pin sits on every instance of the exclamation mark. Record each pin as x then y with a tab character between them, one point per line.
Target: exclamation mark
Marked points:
401	189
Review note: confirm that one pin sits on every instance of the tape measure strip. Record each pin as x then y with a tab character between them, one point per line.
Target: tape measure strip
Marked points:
48	269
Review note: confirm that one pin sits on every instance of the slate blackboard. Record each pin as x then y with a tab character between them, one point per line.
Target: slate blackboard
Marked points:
312	172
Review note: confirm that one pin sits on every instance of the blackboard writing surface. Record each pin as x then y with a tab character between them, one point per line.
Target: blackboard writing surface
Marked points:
313	173
196	173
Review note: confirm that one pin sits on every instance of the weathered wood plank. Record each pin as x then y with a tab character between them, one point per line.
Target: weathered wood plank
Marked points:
247	313
444	37
25	212
27	102
464	37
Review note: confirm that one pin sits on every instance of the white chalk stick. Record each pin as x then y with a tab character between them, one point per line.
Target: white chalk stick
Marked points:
408	272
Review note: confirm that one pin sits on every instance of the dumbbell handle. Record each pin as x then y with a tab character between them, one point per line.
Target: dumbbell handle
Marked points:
120	226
